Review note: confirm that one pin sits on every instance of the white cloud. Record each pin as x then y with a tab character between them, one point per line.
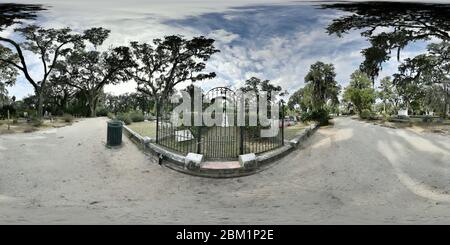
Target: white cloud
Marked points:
269	46
223	36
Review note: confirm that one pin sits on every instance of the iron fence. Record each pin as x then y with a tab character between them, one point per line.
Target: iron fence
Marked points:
219	142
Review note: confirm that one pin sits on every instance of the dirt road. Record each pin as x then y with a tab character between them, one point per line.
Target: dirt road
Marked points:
352	172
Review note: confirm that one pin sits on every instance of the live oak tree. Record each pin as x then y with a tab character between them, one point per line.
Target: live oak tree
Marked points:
426	75
8	73
89	69
163	64
128	102
47	44
257	85
441	57
3	94
302	97
13	13
390	27
60	95
7	78
10	14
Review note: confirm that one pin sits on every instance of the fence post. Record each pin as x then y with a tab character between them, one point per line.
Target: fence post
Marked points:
282	123
199	140
157	121
241	140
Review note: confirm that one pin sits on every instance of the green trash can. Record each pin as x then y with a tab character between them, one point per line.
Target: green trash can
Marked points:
114	135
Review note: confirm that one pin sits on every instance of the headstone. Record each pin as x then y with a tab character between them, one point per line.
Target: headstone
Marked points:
183	135
402	112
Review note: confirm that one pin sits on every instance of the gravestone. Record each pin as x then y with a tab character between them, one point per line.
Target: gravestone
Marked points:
402	112
183	135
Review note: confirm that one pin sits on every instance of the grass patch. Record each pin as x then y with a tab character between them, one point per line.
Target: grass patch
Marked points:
144	128
416	124
22	126
291	131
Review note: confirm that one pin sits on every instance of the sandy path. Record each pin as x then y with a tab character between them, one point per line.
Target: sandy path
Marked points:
352	172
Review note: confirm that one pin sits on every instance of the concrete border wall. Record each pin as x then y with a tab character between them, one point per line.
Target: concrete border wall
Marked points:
249	166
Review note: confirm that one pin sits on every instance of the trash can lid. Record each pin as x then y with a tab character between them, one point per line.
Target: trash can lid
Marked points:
115	123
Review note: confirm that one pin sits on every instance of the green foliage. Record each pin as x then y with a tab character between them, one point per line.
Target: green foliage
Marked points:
385	117
321	116
136	116
8	74
175	60
423	81
36	122
89	71
389	27
257	85
302	98
13	13
67	118
324	87
389	96
124	117
128	101
111	115
359	92
427	119
365	114
102	112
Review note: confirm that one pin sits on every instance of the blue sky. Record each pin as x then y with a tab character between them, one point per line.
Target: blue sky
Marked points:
276	40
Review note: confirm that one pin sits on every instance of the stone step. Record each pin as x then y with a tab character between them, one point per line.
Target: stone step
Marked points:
220	165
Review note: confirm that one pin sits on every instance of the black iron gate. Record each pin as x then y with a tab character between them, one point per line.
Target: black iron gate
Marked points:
219	142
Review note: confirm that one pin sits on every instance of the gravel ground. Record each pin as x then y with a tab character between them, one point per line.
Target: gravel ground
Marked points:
349	173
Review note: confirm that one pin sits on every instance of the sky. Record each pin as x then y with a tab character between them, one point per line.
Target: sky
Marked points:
275	40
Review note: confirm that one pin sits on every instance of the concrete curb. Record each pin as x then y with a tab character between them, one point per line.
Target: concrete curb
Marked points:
189	164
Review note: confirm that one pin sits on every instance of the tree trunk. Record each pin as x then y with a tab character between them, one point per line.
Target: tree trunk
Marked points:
92	107
446	100
40	104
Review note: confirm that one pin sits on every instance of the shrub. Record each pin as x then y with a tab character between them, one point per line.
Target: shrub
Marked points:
427	119
102	112
110	115
36	122
321	116
305	116
385	117
29	130
67	118
125	118
136	116
365	114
